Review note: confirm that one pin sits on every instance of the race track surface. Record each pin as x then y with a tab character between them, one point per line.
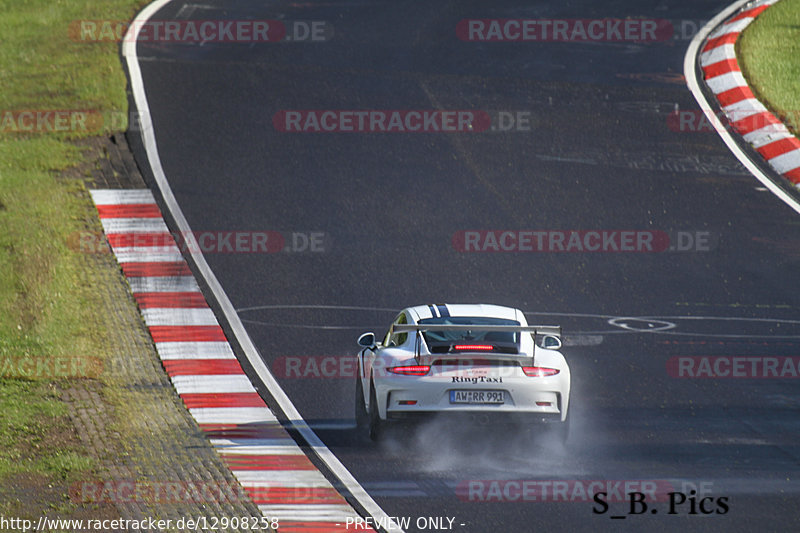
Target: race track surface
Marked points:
376	221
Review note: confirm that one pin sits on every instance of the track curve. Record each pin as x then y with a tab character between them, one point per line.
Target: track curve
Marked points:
592	151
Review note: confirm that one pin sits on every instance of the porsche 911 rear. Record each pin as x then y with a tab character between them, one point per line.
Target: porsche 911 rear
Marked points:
479	361
473	384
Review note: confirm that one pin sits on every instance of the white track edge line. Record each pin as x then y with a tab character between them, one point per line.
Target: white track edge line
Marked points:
148	138
689	62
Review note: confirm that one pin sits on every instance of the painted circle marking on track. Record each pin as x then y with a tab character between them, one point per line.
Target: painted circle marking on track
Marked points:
641	324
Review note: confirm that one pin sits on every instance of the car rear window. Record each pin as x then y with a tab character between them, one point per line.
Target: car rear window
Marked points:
445	341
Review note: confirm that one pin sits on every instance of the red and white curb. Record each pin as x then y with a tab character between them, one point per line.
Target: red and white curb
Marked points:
747	116
195	352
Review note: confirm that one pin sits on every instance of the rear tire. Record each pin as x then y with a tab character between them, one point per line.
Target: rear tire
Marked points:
562	429
375	422
362	417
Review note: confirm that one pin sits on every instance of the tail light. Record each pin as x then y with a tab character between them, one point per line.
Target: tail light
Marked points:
539	371
474	347
410	370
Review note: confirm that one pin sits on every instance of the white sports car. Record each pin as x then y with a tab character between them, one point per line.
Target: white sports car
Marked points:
477	361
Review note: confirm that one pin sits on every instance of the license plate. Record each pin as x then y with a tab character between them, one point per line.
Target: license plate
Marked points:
477	396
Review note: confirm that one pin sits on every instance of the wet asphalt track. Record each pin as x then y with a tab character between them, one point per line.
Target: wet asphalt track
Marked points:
598	155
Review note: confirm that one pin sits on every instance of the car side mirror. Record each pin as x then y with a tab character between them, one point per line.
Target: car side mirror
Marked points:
551	342
367	340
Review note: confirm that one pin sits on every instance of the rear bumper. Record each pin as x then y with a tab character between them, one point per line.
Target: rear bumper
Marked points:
474	417
524	397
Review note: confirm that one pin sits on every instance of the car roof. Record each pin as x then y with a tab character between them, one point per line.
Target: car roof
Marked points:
421	312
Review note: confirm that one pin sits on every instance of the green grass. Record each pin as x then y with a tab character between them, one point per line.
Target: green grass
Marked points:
47	303
769	56
27	428
46	67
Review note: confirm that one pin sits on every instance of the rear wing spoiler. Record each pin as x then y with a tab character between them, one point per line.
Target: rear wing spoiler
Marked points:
536	330
533	330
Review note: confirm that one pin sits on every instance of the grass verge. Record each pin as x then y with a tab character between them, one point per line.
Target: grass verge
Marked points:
769	55
48	311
